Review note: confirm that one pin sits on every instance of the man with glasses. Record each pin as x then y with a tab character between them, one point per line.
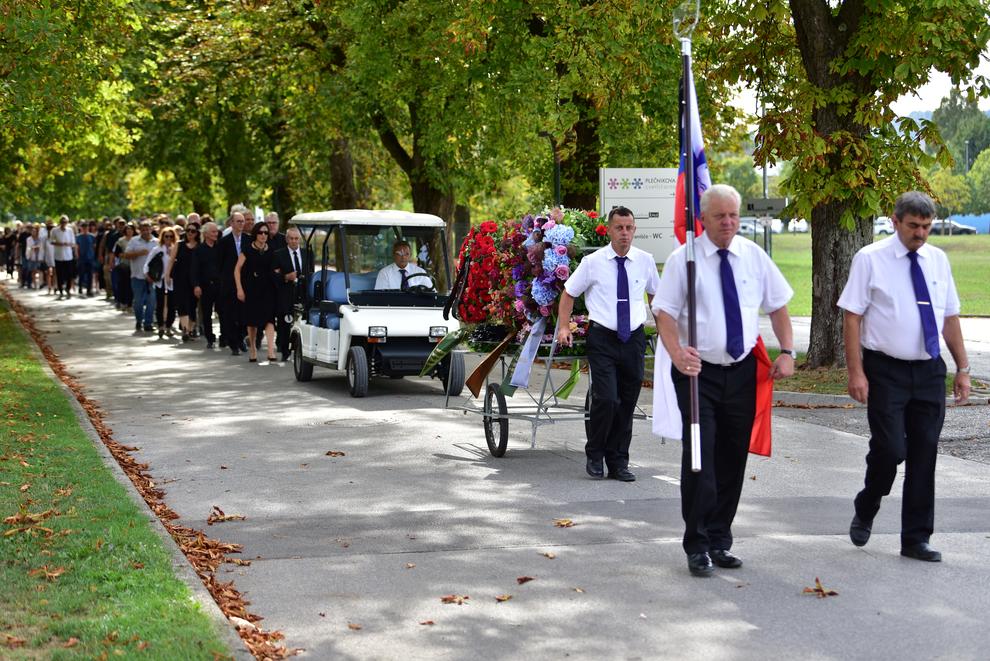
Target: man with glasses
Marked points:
291	266
276	240
397	274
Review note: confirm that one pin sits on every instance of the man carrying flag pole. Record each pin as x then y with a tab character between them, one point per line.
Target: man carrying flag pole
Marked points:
735	280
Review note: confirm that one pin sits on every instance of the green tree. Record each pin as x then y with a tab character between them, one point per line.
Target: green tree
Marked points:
964	128
979	181
827	73
952	192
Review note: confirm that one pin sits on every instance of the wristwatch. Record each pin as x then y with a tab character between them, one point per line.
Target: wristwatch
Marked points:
962	370
790	352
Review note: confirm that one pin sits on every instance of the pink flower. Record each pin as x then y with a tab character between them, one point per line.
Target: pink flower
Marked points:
560	250
545	310
562	272
519	305
549	225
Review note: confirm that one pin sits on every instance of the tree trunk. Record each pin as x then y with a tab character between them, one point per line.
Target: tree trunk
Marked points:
343	192
579	169
832	250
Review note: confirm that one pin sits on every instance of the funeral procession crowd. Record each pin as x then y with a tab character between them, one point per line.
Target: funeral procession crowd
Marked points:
899	300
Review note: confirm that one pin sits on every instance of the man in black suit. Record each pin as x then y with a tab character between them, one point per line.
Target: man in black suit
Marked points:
276	239
291	266
204	276
230	246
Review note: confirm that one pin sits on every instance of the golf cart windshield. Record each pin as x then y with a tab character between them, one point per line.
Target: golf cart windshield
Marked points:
372	255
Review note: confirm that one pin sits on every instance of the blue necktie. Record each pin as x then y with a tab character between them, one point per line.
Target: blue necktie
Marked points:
405	280
622	304
928	324
730	301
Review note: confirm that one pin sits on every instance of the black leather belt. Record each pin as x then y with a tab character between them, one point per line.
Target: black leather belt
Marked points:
595	324
881	354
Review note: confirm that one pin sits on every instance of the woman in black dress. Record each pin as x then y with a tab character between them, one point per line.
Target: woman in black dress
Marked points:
255	279
182	290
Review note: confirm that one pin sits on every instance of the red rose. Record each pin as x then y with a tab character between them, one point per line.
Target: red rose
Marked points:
592	214
601	230
489	227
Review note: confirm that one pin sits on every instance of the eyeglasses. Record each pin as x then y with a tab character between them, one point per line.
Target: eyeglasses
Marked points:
262	233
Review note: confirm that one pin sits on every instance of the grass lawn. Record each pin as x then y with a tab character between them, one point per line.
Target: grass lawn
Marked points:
969	255
83	574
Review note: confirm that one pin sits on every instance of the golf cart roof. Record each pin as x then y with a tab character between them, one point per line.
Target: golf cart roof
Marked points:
367	217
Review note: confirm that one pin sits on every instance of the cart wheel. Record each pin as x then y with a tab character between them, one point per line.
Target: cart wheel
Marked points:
495	426
302	369
587	414
453	374
357	372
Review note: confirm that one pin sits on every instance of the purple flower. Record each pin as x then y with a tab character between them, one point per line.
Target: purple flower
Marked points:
562	272
520	289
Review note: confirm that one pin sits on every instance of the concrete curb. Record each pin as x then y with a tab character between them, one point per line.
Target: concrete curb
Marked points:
180	564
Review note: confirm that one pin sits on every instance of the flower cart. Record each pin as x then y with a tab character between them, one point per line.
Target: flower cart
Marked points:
509	278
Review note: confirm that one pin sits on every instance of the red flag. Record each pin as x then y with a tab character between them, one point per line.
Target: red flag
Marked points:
702	179
759	439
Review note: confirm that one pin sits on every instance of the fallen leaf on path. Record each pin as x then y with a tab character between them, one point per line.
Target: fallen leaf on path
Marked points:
563	523
549	555
71	642
752	477
64	492
354	627
428	623
335	453
241	623
137	565
218	515
239	562
503	597
454	599
820	591
25	487
222	467
50	573
410	565
524	579
579	589
13	641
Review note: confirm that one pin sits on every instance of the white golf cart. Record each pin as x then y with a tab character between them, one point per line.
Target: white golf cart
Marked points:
347	324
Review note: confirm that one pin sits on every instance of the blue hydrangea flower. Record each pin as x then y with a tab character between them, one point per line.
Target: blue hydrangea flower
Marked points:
559	235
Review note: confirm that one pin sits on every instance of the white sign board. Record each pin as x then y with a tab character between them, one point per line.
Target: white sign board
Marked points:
649	193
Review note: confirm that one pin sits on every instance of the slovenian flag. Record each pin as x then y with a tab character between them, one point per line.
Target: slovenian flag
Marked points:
666	412
702	180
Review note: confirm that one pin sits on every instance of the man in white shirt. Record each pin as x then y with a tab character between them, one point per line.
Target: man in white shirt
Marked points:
142	286
397	274
63	239
900	296
614	281
734	280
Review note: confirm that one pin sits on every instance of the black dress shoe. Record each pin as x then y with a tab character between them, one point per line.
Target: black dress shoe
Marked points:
622	475
921	551
859	531
725	559
595	468
700	564
285	357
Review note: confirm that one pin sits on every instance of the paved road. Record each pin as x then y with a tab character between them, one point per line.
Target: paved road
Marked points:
334	540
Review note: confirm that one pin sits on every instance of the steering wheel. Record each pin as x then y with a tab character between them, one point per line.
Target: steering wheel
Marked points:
419	289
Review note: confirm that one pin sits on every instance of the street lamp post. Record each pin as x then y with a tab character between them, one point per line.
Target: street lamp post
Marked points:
556	166
967	156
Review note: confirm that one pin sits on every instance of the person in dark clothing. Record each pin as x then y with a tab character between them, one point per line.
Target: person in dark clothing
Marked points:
86	259
291	266
230	248
183	297
204	276
255	279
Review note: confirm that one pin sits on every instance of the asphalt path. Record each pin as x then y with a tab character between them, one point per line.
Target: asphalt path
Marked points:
352	554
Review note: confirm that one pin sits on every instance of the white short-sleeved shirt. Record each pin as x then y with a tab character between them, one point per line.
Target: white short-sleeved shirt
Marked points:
63	253
390	278
135	244
759	283
881	290
596	277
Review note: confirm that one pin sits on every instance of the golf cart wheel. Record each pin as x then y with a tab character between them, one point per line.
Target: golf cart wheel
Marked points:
357	372
496	428
587	414
302	369
453	374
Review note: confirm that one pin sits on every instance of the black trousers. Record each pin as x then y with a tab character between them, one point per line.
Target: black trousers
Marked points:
64	272
283	329
231	318
164	308
207	302
905	409
616	379
727	405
